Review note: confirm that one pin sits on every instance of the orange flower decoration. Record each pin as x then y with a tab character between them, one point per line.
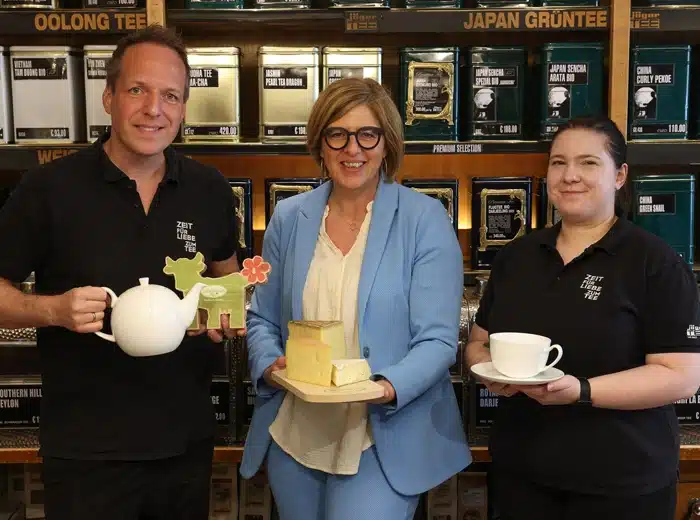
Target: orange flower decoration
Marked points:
255	269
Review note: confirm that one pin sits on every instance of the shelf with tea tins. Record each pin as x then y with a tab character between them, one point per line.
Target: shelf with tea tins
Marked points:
24	157
664	153
50	22
665	19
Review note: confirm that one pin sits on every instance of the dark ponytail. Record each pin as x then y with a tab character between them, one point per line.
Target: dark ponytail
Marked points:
616	147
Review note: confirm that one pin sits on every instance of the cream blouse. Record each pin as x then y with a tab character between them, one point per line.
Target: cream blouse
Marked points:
329	437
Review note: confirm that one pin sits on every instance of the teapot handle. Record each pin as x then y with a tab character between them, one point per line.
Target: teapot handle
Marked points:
113	299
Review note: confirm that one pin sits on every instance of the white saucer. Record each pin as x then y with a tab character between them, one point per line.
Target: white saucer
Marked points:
486	371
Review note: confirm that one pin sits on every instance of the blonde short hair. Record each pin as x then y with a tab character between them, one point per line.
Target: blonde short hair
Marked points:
342	96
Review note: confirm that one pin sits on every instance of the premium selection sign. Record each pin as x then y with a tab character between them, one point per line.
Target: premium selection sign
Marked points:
6	131
659	97
573	84
96	60
48	100
289	86
496	92
213	110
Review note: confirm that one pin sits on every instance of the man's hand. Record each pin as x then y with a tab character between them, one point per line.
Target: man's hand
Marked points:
217	335
562	391
80	309
279	364
389	393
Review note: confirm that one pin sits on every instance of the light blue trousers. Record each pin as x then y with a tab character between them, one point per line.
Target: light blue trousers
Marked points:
301	493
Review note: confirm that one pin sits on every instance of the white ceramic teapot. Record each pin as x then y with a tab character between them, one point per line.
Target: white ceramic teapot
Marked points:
149	319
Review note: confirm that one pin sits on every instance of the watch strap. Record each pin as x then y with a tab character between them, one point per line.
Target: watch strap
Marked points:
584	397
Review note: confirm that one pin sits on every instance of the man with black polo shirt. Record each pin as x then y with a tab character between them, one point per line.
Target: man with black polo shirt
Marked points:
121	437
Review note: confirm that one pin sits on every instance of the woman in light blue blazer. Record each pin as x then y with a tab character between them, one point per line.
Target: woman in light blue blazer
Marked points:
384	260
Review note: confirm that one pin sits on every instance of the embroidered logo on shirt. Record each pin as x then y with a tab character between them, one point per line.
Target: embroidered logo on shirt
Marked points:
591	286
184	233
693	332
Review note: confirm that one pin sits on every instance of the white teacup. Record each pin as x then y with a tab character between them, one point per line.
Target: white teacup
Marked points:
520	355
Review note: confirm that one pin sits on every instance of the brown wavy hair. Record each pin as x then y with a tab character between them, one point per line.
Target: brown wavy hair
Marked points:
339	98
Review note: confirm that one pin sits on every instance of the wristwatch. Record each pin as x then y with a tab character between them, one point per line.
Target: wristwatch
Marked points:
584	397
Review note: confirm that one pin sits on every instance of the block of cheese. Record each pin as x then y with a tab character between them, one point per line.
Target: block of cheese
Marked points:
347	371
331	333
309	360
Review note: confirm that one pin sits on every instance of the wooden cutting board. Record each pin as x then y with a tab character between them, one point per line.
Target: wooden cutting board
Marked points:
352	393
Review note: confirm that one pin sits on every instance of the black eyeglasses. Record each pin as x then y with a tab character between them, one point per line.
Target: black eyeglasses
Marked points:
367	137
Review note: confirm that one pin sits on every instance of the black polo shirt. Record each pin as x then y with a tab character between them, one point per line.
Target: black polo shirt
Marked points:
626	296
79	221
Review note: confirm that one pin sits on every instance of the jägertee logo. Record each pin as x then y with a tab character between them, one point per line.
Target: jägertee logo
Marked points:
591	286
693	332
184	233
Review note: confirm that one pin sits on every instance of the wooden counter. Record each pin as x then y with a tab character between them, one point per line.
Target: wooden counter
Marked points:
22	446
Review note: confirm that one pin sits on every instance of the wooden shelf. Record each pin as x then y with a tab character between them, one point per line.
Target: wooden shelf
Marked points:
663	153
33	22
21	447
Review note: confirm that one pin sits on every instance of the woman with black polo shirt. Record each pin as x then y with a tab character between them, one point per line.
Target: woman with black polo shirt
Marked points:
602	442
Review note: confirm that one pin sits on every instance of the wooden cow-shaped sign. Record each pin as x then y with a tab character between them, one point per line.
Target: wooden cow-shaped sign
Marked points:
223	295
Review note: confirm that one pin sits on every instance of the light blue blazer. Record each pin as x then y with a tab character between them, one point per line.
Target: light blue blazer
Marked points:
409	300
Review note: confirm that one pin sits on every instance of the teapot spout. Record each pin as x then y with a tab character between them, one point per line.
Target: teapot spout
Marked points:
189	304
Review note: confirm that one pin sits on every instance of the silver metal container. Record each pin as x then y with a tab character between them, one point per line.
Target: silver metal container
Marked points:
6	131
96	59
213	109
289	85
48	99
27	334
351	62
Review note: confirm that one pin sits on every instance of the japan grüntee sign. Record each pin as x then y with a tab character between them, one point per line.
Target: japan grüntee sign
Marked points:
557	19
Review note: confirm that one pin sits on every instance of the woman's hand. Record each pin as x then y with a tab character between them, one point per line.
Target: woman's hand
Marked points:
562	391
389	393
500	388
279	364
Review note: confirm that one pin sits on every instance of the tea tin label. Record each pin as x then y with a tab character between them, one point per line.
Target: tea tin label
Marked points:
285	78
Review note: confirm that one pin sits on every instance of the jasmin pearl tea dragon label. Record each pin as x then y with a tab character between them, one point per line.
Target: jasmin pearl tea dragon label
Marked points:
659	92
47	95
496	92
213	110
429	105
501	212
572	84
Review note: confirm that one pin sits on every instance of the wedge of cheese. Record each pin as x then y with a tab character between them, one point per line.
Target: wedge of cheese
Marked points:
309	361
348	371
331	333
